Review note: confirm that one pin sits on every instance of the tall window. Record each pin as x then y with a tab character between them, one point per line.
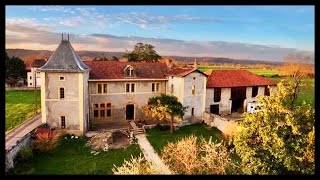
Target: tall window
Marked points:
102	88
102	110
266	91
217	95
130	87
96	110
193	90
61	93
108	109
99	88
171	88
192	111
254	91
155	87
105	87
63	122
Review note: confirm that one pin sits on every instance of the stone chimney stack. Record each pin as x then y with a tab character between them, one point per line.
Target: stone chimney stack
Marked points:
169	63
195	64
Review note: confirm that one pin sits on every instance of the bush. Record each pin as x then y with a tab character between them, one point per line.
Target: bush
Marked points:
188	156
138	166
24	154
164	127
46	141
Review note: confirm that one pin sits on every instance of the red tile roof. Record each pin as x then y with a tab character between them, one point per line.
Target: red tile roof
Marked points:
115	69
182	71
236	78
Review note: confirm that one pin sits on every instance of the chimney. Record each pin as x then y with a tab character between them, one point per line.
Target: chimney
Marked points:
168	63
195	64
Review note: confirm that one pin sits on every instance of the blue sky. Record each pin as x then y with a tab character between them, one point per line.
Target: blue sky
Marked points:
290	28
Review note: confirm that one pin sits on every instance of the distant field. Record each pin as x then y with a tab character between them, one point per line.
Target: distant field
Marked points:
20	106
265	72
307	90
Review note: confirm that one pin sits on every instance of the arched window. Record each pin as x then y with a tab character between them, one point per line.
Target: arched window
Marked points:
129	71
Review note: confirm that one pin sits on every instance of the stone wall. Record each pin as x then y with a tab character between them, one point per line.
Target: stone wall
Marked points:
227	127
13	151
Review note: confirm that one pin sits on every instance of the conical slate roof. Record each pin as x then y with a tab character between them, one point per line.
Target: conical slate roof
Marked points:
64	59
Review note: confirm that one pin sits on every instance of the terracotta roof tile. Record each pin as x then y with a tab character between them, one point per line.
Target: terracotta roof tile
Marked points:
236	78
38	63
115	70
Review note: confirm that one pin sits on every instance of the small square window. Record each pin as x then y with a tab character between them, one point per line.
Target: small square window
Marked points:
108	105
61	78
194	78
102	105
95	105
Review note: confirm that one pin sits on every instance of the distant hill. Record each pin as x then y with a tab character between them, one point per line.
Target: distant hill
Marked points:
29	55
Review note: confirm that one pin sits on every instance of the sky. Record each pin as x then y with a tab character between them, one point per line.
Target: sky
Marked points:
242	32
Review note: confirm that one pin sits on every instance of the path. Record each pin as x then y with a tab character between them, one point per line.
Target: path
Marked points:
150	154
14	136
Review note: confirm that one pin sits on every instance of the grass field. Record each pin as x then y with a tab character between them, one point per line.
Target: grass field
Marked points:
158	139
20	106
73	157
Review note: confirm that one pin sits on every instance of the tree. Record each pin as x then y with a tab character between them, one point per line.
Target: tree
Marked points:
160	106
15	70
137	166
142	52
279	139
190	156
297	67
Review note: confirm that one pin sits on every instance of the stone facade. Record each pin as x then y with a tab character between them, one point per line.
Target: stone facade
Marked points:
119	99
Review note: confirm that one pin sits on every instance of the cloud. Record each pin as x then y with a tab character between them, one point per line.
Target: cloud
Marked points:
147	20
30	22
71	22
23	36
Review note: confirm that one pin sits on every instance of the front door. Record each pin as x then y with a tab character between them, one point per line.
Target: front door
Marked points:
130	112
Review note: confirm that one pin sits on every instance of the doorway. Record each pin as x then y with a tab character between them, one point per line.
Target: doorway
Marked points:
238	95
130	112
214	109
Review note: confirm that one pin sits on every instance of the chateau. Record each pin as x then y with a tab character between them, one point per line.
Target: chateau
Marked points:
76	95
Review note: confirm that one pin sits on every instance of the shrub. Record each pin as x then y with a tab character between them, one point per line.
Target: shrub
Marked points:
138	165
187	156
46	141
163	127
24	154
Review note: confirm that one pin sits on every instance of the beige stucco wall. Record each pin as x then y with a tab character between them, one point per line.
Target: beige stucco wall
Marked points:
119	99
70	106
196	101
178	84
225	103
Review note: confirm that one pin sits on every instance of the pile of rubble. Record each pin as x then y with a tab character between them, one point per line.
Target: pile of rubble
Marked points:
110	140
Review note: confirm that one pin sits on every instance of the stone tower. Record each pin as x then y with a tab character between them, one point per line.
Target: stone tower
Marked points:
64	90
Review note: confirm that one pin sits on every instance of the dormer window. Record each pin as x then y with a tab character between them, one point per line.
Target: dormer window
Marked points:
129	71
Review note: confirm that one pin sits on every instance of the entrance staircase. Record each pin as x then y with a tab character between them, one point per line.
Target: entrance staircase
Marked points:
135	129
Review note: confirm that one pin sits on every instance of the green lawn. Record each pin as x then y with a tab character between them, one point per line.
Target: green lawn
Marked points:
159	139
20	106
73	157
